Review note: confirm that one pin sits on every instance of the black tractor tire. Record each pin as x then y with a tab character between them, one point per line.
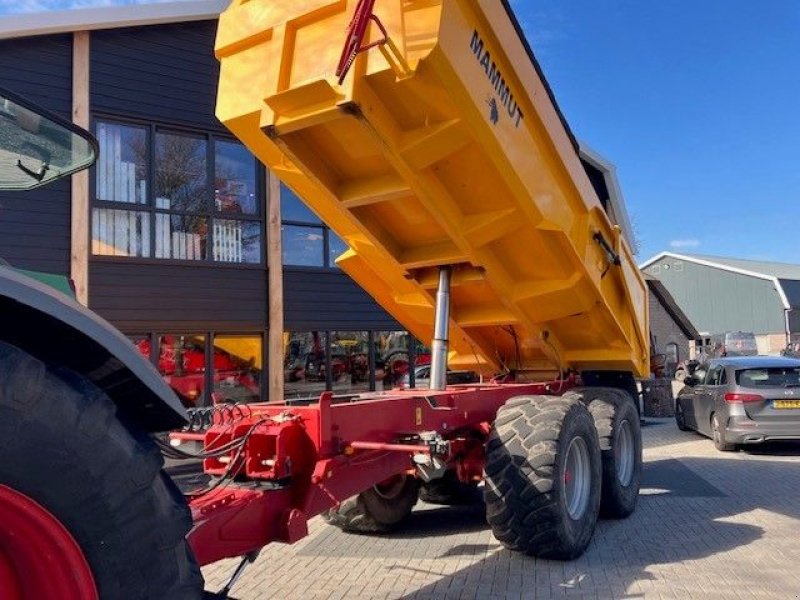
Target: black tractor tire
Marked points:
449	491
620	435
680	415
380	509
526	490
63	446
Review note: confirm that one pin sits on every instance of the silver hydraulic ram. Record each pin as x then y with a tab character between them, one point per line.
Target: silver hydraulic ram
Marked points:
441	328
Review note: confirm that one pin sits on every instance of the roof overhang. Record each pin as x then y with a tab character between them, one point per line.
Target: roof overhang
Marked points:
108	17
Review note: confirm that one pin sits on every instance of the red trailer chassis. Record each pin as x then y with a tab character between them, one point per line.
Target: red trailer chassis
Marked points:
295	462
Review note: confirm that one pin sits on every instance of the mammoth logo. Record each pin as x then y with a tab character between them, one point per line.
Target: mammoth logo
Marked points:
505	98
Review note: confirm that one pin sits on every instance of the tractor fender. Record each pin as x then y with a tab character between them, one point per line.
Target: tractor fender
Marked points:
56	329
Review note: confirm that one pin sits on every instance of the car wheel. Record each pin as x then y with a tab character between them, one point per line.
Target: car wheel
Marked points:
717	434
680	416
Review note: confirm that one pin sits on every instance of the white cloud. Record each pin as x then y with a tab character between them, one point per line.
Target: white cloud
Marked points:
684	243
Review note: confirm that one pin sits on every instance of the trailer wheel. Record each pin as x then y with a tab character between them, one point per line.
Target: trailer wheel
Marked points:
543	476
449	491
620	435
379	509
91	486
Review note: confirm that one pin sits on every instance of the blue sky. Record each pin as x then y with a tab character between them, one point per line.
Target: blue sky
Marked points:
697	103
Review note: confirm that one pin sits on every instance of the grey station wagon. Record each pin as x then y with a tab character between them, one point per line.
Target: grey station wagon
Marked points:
742	400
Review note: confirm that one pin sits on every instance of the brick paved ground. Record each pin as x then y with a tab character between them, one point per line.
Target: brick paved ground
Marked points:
708	525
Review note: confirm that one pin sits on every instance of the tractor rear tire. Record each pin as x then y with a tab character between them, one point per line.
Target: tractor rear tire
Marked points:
63	447
620	434
380	509
543	473
449	491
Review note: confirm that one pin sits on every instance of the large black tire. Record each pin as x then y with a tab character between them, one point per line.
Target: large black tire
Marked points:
620	435
449	491
526	489
63	446
380	509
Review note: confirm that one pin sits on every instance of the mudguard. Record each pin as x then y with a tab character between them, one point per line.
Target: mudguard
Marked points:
56	329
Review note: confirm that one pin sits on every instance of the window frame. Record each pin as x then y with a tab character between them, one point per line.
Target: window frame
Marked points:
328	264
210	213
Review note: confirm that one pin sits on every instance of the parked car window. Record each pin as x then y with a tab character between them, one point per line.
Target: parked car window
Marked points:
713	375
723	379
740	343
769	377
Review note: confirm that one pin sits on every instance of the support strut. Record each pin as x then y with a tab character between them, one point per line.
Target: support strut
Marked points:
441	327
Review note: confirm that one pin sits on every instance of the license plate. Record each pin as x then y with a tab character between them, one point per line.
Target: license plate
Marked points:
786	404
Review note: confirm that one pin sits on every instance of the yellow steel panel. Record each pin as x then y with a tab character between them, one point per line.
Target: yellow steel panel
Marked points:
451	154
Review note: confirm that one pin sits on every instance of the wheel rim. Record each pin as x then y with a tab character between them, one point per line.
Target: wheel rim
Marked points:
391	488
623	452
38	556
715	429
577	478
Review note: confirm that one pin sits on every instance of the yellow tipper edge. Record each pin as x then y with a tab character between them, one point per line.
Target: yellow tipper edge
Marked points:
454	155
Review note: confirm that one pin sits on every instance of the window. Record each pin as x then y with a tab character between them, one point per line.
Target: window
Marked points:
182	362
713	375
234	370
306	240
237	368
304	364
310	355
350	361
673	353
769	377
172	195
395	350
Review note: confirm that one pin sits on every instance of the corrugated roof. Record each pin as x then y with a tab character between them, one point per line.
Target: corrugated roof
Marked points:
108	17
785	276
773	269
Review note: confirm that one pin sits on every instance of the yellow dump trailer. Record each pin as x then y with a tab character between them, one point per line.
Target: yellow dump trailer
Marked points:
441	145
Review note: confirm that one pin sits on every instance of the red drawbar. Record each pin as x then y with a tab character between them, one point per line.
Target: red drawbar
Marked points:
39	558
289	463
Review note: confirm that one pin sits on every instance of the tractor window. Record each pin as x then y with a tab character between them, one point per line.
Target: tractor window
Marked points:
37	147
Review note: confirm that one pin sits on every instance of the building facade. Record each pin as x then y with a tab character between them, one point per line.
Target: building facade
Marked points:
672	333
215	270
723	294
173	225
